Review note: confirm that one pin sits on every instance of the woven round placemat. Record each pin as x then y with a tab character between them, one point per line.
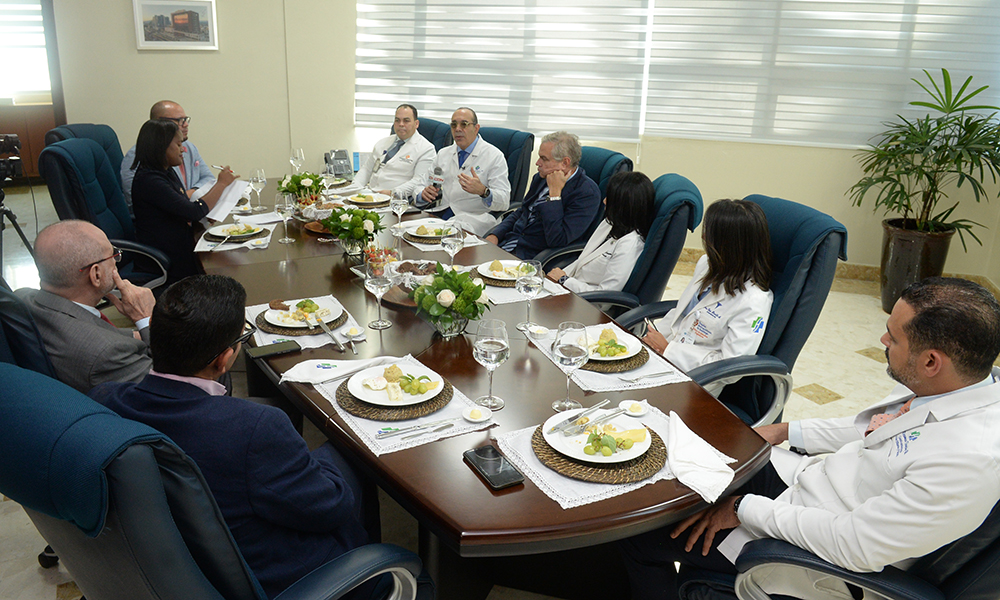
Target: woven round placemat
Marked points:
266	327
617	366
504	283
421	240
367	205
360	408
631	471
263	233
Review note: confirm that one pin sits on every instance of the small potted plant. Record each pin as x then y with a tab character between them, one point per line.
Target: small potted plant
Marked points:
450	300
913	165
306	187
354	227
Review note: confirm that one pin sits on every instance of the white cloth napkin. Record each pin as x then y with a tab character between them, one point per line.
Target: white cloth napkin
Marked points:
307	341
366	429
608	382
204	245
262	219
503	295
695	462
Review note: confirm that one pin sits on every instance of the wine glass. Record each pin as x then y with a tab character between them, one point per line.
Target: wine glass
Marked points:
257	183
284	204
398	204
297	158
378	280
453	242
529	284
491	350
570	350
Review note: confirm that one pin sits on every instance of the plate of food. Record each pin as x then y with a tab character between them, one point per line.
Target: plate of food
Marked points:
507	270
606	344
616	441
334	181
432	231
366	199
402	384
292	313
236	231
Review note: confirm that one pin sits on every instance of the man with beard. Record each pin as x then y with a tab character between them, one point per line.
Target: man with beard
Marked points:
896	482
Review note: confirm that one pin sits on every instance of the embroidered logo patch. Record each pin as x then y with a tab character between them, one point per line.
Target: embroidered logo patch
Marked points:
757	325
325	366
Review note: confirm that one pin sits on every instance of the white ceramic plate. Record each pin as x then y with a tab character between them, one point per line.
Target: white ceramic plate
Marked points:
572	446
627	405
381	397
633	345
484	414
376	199
484	270
281	318
223	231
447	229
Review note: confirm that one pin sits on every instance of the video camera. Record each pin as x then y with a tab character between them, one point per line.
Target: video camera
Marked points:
10	156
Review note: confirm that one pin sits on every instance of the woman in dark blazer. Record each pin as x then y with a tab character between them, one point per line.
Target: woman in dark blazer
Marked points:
164	214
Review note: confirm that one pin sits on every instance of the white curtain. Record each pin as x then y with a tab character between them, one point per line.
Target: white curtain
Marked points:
22	48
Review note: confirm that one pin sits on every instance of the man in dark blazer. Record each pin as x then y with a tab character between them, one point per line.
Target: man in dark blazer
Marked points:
76	268
290	510
559	206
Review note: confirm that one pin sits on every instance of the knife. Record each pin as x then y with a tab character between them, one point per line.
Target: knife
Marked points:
564	424
578	429
224	240
326	328
422	432
382	435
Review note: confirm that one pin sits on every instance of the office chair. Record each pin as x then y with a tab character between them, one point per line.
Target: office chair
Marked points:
435	132
102	134
601	164
84	185
516	147
131	515
805	246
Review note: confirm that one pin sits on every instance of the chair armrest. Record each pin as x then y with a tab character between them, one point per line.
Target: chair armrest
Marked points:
623	299
746	366
891	582
551	255
653	310
339	576
162	260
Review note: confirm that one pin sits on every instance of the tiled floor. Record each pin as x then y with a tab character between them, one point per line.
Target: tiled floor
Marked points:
841	370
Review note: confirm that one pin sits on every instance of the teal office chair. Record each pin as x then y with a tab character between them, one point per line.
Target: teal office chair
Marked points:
516	147
102	134
601	165
435	132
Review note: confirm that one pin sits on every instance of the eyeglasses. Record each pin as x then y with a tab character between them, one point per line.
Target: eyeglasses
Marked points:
115	254
179	120
462	124
247	334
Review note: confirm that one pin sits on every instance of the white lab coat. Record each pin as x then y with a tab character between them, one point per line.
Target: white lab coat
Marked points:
605	263
406	172
470	210
719	326
922	480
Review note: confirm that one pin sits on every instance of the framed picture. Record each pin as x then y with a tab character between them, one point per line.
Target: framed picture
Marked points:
175	25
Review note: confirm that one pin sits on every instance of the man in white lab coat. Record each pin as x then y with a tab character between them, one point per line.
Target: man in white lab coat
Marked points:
399	163
469	178
895	482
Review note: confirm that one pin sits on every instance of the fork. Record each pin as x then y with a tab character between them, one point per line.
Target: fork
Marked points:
641	377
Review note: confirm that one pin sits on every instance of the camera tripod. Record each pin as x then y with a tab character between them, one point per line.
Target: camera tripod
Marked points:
6	213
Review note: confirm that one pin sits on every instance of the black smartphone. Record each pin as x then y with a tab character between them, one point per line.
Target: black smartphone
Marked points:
493	467
274	349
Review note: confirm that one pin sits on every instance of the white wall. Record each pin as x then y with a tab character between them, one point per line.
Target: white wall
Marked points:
284	76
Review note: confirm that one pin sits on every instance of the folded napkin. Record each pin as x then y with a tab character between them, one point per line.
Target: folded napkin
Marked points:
695	462
366	429
262	219
319	371
307	341
609	382
502	295
204	245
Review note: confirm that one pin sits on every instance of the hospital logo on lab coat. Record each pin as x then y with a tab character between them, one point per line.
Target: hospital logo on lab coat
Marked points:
757	325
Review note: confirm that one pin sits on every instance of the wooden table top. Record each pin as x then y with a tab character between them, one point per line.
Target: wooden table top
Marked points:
432	481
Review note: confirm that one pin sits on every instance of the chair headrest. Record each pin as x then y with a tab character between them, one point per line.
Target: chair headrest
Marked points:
56	442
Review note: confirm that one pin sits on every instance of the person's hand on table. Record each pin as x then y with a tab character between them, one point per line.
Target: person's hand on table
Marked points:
555	274
492	239
471	183
430	193
715	518
136	302
385	192
774	434
655	340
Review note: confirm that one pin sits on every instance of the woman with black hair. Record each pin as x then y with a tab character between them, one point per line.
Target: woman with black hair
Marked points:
164	214
723	312
607	260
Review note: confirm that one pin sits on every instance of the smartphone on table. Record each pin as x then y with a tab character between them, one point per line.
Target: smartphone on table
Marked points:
492	466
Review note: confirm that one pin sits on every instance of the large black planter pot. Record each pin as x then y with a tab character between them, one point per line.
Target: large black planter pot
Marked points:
908	256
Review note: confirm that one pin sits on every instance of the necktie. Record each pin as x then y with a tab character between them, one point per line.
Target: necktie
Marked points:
462	155
880	420
393	150
107	320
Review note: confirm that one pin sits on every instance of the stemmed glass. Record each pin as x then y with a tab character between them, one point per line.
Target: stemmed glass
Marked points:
571	350
257	183
453	242
284	204
399	204
297	158
378	279
491	350
529	285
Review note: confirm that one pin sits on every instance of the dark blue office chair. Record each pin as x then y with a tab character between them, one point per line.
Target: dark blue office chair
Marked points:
805	246
84	185
601	164
516	146
435	132
131	515
102	134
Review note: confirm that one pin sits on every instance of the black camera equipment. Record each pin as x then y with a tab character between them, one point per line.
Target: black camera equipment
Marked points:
10	166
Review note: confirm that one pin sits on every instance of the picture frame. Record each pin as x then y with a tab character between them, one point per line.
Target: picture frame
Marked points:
175	25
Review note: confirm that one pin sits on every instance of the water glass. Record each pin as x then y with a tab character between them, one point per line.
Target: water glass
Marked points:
284	204
399	204
297	158
570	351
453	242
491	350
257	183
378	279
528	284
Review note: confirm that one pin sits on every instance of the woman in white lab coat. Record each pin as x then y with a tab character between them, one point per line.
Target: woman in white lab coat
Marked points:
607	260
723	312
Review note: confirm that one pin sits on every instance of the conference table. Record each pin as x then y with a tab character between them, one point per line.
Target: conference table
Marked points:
461	519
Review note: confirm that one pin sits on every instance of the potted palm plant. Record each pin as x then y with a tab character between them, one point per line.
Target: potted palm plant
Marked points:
913	165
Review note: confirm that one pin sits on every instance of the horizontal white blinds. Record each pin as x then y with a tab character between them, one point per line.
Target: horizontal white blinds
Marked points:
794	71
22	48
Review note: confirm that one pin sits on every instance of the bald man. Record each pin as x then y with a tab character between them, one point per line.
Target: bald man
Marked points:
76	267
193	171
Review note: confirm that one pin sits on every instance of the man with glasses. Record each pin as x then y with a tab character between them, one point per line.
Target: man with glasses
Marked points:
76	270
399	163
193	171
290	510
469	178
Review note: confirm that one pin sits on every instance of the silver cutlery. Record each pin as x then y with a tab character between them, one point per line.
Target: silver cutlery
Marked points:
326	328
224	240
641	377
394	432
564	424
578	429
420	433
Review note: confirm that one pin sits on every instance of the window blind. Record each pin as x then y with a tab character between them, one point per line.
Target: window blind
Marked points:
22	45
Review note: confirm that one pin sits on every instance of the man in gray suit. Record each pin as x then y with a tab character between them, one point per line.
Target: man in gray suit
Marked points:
76	267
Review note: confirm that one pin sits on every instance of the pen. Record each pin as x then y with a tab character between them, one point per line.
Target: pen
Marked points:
649	324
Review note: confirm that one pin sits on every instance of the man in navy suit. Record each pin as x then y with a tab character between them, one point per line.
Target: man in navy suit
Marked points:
559	206
290	510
